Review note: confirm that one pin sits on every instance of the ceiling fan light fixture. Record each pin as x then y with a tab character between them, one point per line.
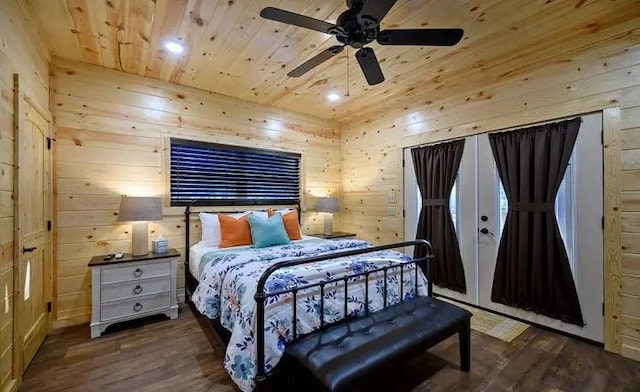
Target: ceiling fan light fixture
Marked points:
333	97
174	46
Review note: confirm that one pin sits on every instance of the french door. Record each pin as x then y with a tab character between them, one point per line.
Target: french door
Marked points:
479	206
463	208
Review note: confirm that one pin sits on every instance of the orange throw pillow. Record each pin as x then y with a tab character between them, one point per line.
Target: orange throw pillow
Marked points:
291	225
234	232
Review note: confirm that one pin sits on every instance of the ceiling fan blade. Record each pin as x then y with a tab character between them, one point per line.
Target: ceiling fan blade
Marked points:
377	9
370	66
298	20
430	37
315	61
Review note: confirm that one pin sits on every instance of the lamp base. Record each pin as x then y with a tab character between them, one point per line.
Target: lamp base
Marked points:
140	239
328	223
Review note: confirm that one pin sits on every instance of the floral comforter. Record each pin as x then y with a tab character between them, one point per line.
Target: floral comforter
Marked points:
228	284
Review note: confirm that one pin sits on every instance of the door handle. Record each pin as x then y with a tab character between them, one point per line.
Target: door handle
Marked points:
485	231
28	250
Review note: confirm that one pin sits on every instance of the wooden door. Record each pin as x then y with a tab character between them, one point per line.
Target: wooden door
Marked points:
33	211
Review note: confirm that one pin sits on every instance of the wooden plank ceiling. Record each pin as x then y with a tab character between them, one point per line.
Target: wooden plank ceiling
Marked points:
232	51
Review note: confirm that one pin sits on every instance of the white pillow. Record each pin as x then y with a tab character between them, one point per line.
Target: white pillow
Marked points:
284	211
211	234
210	229
261	214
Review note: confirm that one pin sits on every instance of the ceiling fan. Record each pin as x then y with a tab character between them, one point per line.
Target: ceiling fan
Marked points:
357	27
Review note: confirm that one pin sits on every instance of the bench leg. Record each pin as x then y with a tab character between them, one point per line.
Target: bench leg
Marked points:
464	337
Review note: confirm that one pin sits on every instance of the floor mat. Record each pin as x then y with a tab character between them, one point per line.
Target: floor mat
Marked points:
492	324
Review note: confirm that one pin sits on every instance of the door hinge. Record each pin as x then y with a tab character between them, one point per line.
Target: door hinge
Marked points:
602	137
403	163
49	307
49	225
602	222
603	308
404	213
49	140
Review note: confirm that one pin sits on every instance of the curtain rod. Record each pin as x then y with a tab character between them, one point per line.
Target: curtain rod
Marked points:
504	129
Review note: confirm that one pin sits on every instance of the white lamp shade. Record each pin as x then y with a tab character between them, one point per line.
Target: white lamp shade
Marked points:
328	204
137	209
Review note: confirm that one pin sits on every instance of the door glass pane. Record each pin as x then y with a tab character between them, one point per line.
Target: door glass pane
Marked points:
564	214
503	206
454	202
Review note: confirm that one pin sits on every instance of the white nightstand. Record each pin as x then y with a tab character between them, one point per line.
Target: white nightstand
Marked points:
133	287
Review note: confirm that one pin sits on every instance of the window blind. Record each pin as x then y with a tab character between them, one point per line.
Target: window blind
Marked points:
223	175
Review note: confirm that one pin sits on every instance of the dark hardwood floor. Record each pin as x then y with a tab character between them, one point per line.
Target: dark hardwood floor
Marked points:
180	355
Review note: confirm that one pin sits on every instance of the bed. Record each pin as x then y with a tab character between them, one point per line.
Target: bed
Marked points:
302	296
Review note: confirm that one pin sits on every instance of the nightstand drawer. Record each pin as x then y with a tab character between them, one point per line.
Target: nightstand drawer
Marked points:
134	272
138	288
130	307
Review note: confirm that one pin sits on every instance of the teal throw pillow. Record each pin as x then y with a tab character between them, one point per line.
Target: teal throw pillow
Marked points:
267	232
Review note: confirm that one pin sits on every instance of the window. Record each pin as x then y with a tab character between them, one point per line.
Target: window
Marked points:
217	174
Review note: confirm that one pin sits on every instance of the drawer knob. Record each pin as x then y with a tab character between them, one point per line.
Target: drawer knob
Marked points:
137	307
137	290
137	273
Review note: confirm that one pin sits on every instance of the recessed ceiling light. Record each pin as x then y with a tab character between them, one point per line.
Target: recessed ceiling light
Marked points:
174	46
333	97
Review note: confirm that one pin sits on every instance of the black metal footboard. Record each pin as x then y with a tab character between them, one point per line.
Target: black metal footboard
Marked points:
404	268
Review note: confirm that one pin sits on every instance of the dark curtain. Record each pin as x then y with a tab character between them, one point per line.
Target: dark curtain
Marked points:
436	169
532	269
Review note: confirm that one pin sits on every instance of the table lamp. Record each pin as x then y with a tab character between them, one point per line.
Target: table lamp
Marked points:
328	205
140	210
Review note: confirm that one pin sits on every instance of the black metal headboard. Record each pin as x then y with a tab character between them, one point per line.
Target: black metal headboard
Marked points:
189	279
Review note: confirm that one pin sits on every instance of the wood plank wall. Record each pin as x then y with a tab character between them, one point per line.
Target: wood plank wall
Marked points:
21	51
606	77
112	129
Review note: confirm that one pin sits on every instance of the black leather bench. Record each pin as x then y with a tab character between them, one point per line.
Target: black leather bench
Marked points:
341	355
